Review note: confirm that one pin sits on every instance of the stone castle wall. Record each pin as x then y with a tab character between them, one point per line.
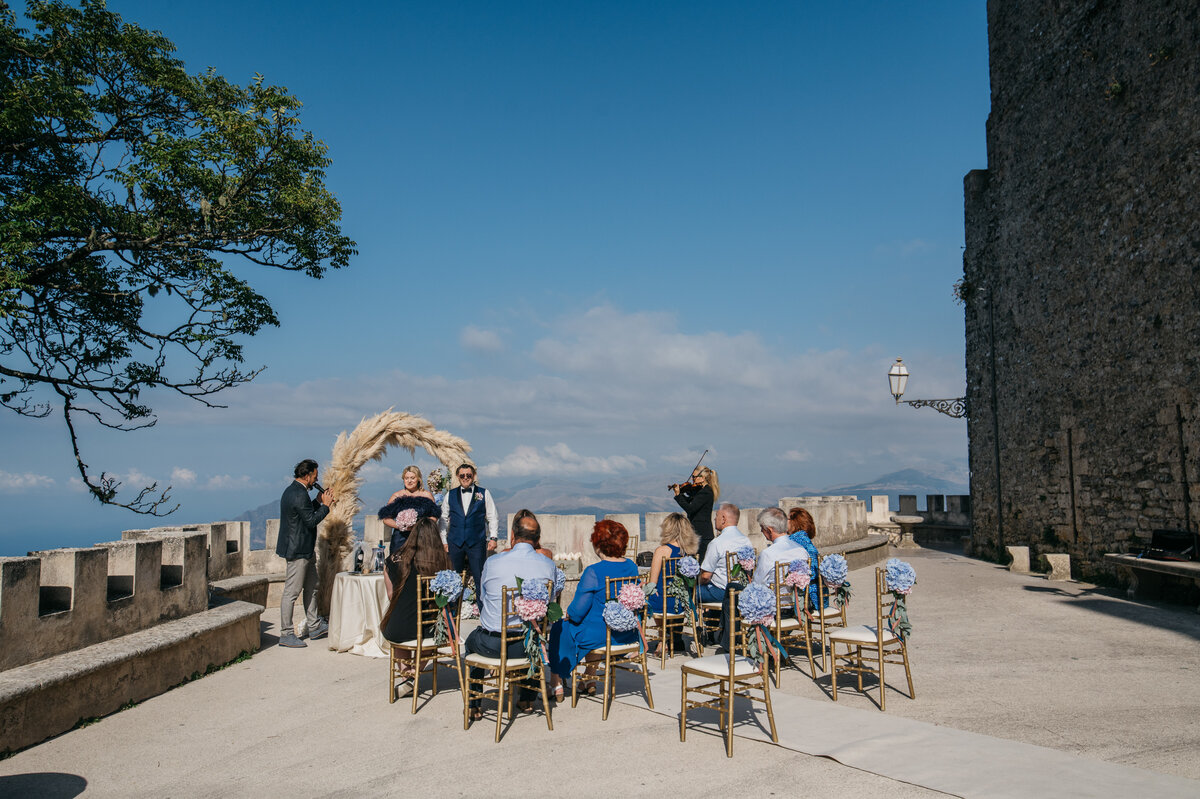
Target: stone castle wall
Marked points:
1082	279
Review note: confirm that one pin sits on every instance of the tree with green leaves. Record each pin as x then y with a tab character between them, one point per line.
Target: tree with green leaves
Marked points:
134	198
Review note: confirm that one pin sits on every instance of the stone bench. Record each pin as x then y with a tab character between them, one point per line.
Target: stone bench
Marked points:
1020	559
250	588
1130	565
51	696
1060	566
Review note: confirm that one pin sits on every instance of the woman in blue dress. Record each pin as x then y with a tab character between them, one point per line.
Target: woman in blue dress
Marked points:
583	628
803	530
676	538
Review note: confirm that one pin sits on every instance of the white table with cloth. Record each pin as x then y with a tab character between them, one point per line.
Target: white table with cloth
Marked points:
355	613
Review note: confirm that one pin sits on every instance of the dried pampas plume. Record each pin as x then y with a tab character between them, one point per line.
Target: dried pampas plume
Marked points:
370	441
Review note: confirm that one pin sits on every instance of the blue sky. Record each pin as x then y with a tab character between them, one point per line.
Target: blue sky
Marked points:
594	238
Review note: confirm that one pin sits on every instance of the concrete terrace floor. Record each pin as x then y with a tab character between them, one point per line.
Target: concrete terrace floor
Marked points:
1067	666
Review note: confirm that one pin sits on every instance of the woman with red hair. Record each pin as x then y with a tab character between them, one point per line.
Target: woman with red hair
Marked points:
583	628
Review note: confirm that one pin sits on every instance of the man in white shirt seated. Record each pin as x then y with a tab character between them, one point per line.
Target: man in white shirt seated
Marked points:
713	578
499	571
773	523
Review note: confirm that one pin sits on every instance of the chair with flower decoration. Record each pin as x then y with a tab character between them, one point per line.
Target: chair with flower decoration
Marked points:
870	648
711	612
793	622
425	652
724	677
615	657
666	623
827	614
503	674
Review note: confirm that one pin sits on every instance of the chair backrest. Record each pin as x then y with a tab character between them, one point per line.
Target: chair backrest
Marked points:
631	547
883	599
670	568
427	607
613	586
508	632
783	592
737	631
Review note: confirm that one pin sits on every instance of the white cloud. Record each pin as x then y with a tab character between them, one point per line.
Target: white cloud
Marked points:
18	483
796	456
225	481
636	383
688	457
475	338
182	477
558	459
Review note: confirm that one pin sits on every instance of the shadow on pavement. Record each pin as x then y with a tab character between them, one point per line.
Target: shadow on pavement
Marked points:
46	784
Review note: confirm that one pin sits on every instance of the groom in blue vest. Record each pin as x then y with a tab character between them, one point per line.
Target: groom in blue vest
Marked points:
469	525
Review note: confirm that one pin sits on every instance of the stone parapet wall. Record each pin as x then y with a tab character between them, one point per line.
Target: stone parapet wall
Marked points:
1082	280
59	600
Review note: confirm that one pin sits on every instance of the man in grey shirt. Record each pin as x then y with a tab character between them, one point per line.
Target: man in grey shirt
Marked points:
499	571
297	544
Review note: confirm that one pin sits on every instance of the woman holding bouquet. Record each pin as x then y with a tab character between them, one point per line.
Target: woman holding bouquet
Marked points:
422	555
406	506
583	628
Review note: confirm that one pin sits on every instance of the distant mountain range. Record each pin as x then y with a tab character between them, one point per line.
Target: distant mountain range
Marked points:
641	494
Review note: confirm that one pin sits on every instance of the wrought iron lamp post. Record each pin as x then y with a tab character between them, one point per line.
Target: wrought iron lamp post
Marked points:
898	381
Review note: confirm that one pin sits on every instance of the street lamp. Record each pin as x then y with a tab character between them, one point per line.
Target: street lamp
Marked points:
898	381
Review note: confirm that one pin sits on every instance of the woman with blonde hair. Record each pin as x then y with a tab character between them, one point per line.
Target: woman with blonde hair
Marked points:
676	539
406	506
697	498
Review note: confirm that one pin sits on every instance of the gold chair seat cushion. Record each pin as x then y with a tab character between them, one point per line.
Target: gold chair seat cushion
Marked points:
426	643
711	605
718	666
790	624
829	612
494	663
667	616
866	634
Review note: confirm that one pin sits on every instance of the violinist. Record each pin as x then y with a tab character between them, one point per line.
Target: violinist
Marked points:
697	498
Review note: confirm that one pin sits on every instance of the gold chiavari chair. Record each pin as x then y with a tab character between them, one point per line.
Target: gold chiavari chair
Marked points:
421	651
869	649
503	675
792	623
614	657
631	547
666	625
826	616
710	612
725	677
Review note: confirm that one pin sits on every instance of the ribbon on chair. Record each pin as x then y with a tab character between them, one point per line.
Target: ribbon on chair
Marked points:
448	620
767	643
897	618
535	648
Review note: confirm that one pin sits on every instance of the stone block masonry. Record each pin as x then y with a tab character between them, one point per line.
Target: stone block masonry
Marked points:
1081	280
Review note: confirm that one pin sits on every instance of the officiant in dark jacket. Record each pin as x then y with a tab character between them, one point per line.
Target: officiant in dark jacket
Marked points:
298	519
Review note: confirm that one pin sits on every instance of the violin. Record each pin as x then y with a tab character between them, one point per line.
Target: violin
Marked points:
689	485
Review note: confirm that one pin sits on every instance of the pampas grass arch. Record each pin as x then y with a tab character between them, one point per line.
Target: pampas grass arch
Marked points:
370	441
